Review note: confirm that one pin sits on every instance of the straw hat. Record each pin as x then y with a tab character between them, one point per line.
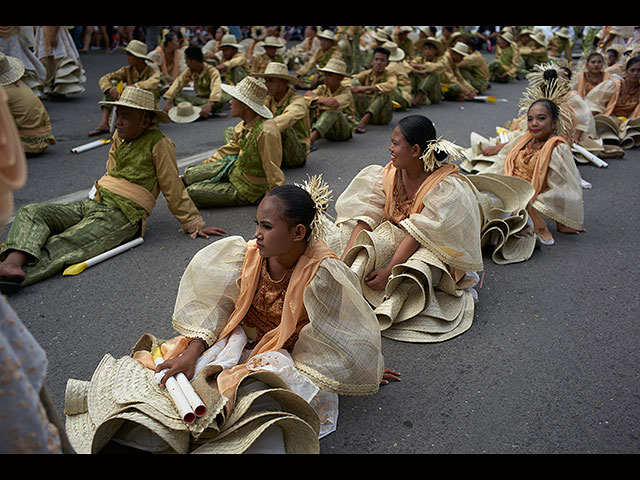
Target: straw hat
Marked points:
381	35
137	49
461	48
272	42
507	36
328	34
563	33
277	70
432	41
252	92
184	112
539	38
134	97
395	54
229	40
336	66
11	69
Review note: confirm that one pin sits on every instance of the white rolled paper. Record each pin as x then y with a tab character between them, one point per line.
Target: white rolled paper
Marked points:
590	156
113	252
196	403
177	395
90	145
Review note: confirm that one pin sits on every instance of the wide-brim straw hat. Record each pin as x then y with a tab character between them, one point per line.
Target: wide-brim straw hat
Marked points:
277	70
229	40
134	97
337	66
381	35
11	69
137	49
539	38
563	33
327	34
184	112
252	92
395	54
272	41
507	36
431	41
461	48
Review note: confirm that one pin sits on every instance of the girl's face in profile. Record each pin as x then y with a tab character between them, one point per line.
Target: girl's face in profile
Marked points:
274	235
540	122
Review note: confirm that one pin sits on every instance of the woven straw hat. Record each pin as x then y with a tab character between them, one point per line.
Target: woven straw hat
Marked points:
11	69
328	34
381	35
432	41
134	97
563	33
277	70
507	37
184	112
252	92
229	40
137	49
395	54
337	66
461	48
272	41
539	38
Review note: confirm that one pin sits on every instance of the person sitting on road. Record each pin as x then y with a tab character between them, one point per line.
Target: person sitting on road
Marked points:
141	164
137	73
249	164
206	84
290	113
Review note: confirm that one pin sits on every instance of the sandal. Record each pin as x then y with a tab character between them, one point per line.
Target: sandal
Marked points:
360	129
9	286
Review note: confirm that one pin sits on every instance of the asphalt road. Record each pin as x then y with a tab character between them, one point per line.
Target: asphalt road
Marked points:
549	365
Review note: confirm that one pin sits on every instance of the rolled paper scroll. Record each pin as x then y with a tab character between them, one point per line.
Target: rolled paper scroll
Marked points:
590	156
90	145
77	268
175	392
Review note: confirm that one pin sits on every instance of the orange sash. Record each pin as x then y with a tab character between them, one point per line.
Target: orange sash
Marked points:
542	165
303	273
388	181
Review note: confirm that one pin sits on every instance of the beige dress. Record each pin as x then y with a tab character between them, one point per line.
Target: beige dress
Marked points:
430	297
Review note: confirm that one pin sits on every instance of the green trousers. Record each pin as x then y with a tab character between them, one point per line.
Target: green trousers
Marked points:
478	83
429	85
208	185
198	101
334	126
379	106
57	235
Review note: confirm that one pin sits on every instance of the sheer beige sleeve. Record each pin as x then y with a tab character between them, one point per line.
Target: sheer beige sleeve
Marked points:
561	200
363	199
208	289
340	348
449	225
598	98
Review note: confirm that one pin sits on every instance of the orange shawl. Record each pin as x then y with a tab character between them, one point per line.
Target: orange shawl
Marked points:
388	181
304	272
613	101
542	165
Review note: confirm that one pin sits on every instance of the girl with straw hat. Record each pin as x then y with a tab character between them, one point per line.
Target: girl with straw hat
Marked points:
411	232
255	319
141	164
248	166
331	105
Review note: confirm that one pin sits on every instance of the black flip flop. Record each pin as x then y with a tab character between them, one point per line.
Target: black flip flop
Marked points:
9	286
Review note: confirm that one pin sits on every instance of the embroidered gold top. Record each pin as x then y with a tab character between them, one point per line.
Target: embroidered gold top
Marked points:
266	308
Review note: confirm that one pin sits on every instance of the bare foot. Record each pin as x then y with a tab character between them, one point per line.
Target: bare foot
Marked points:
564	229
11	272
